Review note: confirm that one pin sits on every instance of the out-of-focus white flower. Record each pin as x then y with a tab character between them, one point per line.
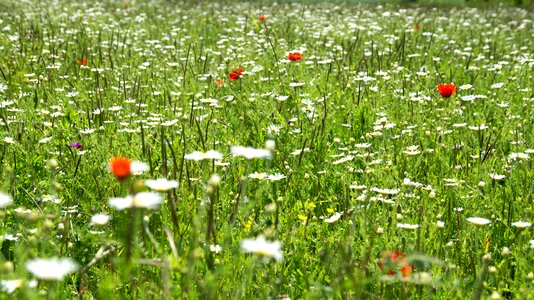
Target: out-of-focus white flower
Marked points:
138	168
142	200
51	268
45	140
198	155
263	247
250	153
465	87
99	219
497	176
276	177
161	184
5	200
407	226
333	218
518	156
215	248
478	221
521	224
11	285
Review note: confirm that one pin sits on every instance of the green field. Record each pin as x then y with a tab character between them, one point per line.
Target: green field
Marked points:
303	151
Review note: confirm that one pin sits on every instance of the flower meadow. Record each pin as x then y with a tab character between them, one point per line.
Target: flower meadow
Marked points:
224	150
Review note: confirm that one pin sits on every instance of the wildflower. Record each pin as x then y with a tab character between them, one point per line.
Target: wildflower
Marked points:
407	226
250	153
263	247
141	200
75	145
262	18
273	130
82	62
51	268
9	286
446	90
393	262
294	56
333	218
417	26
497	176
236	74
478	221
219	82
5	200
120	167
161	184
521	224
99	219
198	155
138	168
215	248
276	177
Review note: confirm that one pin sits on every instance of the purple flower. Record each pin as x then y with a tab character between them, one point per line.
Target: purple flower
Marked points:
75	145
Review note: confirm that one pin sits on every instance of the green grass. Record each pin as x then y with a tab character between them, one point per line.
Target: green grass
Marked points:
360	131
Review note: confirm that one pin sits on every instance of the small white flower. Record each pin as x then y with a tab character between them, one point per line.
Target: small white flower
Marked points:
270	145
273	130
9	140
215	248
441	224
51	268
478	221
99	219
407	226
5	200
11	285
497	176
276	177
257	175
138	168
250	153
263	247
161	184
465	87
518	156
198	155
333	218
531	244
497	85
142	200
521	224
45	140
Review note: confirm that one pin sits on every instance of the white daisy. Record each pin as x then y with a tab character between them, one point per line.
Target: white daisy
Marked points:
161	184
5	200
478	221
250	153
263	247
51	268
99	219
142	200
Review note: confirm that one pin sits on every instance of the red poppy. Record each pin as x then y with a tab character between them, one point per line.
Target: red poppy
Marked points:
393	262
236	74
446	90
220	82
120	167
294	56
82	62
261	18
